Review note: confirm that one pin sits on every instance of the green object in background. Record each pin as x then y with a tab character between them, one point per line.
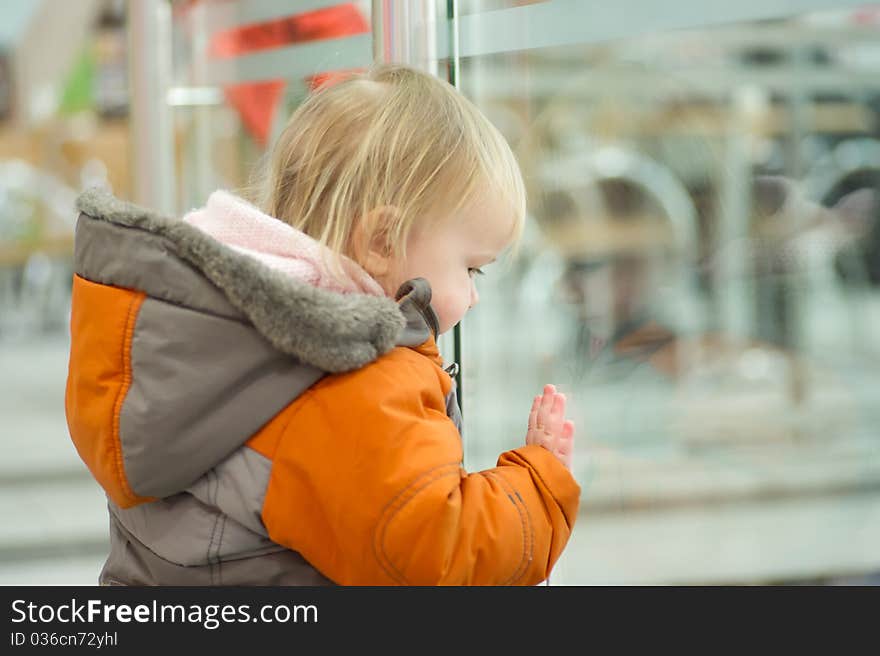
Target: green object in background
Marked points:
79	94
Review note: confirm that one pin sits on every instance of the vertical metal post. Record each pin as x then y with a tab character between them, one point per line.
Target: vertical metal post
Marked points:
405	32
453	32
198	153
152	146
454	80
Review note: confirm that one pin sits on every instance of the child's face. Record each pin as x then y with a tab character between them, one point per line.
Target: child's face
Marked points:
450	253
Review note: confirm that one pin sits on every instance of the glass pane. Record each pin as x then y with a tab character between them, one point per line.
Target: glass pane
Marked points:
701	275
468	7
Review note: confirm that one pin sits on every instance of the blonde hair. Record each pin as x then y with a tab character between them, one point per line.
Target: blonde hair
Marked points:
392	138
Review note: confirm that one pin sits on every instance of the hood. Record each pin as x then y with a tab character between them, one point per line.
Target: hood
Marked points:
183	346
121	244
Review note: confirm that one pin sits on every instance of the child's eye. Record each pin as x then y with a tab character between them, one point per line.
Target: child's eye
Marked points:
475	271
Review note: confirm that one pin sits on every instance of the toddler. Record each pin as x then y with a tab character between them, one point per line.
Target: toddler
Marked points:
258	389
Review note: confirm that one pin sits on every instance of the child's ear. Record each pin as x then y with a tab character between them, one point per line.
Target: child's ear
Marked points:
370	241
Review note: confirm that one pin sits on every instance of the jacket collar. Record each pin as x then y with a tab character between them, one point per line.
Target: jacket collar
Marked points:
414	300
422	325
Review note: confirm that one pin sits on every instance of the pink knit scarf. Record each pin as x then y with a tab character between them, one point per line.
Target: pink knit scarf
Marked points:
244	228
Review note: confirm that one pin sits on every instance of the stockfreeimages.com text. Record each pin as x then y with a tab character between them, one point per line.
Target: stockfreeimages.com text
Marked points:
211	616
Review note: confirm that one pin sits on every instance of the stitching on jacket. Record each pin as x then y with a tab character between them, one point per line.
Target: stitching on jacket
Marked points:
130	319
410	492
128	536
549	489
531	553
212	483
221	520
219	549
524	519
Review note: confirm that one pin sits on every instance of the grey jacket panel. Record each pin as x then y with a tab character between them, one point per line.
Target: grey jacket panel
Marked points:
201	386
212	534
146	262
217	519
185	531
237	486
132	563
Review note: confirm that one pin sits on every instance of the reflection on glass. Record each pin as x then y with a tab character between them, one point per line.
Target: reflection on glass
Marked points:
466	7
241	70
701	276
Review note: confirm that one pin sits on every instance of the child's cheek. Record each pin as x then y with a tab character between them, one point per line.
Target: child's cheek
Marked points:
448	310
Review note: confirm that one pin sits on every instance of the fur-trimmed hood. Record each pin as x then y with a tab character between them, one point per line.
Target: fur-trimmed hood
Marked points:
332	331
183	347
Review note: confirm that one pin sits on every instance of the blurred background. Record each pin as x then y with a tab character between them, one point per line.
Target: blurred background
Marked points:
700	271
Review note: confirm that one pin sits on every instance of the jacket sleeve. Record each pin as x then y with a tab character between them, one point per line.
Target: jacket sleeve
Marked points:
367	485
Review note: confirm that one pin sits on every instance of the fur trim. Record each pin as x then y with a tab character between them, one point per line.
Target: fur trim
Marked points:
334	332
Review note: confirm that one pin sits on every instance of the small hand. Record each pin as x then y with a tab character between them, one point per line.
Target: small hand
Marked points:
549	428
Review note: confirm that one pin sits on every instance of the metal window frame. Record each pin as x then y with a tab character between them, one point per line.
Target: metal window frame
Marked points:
152	151
568	22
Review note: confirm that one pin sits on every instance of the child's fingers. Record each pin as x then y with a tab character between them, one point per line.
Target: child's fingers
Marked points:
560	399
557	415
533	413
546	406
558	407
565	444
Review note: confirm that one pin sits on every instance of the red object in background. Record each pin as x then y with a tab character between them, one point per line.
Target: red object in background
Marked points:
256	102
867	15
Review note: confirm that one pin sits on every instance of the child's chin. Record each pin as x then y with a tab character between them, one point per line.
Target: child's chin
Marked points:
445	328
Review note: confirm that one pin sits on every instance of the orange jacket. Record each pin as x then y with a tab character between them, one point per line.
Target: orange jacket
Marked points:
195	403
